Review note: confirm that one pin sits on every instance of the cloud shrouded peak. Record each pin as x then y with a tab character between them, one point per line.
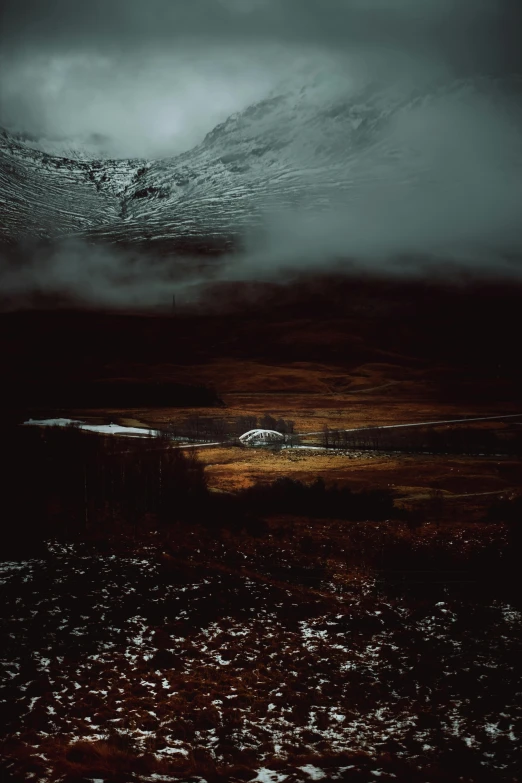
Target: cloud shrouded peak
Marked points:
382	134
152	78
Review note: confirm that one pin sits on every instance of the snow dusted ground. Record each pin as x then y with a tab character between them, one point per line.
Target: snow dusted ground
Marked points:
193	668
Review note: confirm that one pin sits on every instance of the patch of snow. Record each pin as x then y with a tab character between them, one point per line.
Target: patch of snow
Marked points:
314	772
172	751
53	422
104	429
265	775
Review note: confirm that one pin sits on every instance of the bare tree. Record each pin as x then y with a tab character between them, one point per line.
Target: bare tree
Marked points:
326	436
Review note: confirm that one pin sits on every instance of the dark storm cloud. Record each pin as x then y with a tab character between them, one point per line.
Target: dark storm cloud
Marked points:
485	28
153	76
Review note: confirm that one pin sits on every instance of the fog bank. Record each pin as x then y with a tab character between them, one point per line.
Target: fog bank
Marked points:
150	78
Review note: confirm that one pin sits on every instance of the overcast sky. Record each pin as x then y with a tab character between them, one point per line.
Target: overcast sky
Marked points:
153	76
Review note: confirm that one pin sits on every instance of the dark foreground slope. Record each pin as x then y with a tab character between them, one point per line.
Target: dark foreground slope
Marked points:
152	630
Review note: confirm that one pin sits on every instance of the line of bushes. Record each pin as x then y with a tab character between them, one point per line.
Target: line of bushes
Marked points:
461	440
316	500
219	428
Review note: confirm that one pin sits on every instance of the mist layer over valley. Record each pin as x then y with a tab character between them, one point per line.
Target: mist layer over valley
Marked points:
393	145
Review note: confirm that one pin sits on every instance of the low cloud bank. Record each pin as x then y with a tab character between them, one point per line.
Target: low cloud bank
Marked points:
76	273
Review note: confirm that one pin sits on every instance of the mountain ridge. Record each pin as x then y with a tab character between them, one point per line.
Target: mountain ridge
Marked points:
295	150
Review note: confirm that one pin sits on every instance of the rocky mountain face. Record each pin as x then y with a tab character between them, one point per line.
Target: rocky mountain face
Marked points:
297	149
46	196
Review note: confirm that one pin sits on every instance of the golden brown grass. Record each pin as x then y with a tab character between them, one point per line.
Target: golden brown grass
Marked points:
234	468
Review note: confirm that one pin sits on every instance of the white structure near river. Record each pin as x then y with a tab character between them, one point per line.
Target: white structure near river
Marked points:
261	438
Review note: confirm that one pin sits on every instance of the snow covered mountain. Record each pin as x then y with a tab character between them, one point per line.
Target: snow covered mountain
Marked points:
295	150
44	195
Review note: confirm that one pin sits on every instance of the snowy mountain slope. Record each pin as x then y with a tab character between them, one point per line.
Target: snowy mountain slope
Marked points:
302	149
44	195
379	157
280	153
